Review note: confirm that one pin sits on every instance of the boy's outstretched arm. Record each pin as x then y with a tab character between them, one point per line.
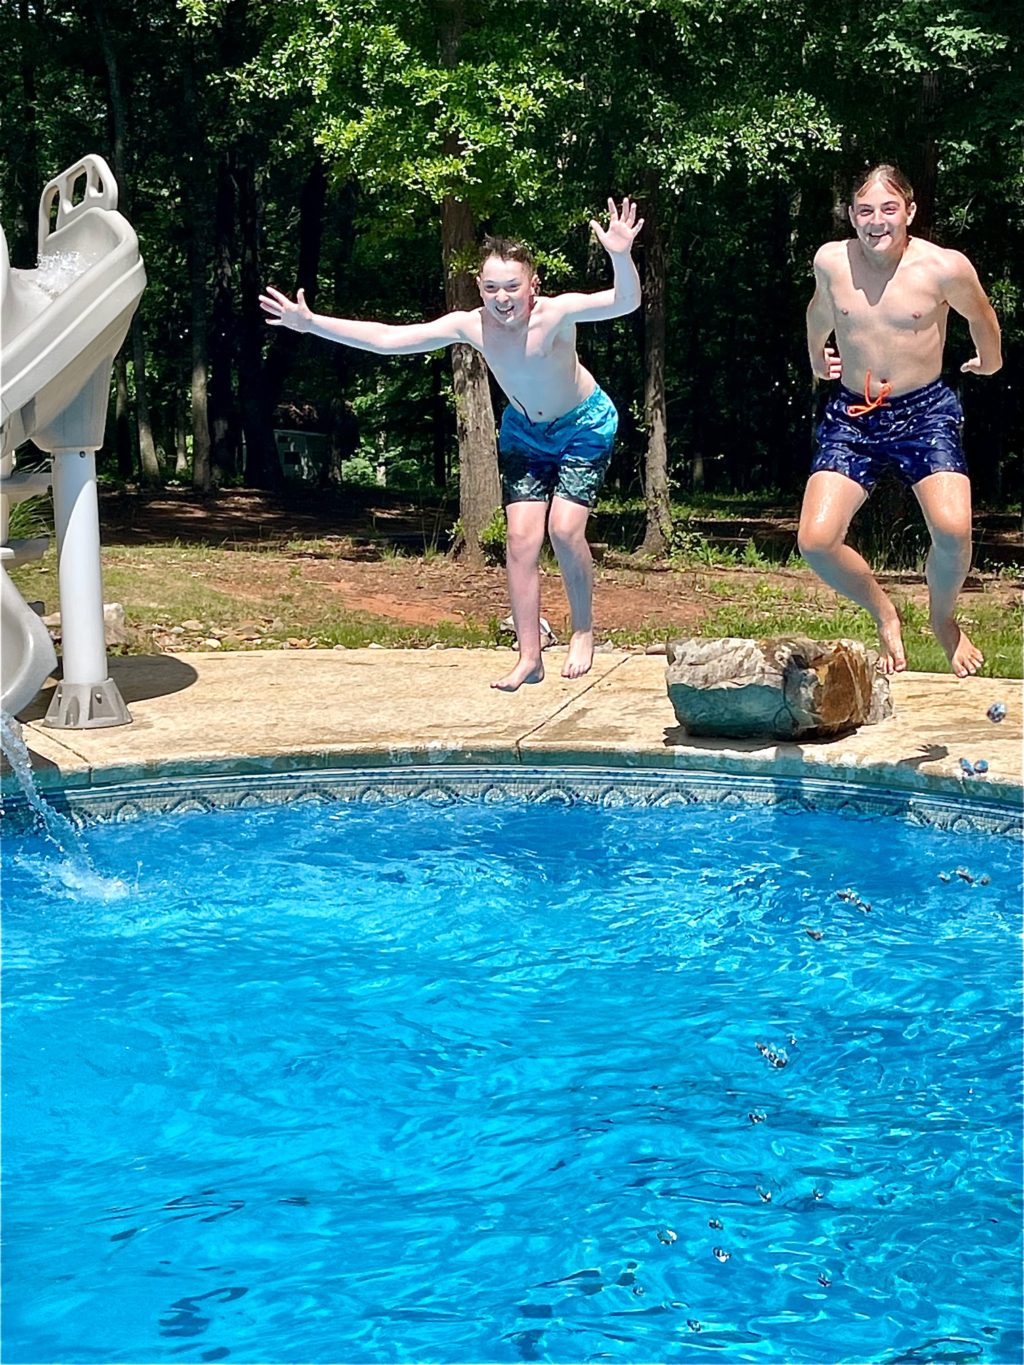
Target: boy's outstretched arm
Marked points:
624	296
382	338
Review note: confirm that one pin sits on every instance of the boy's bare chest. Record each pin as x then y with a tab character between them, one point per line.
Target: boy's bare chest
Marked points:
538	342
907	302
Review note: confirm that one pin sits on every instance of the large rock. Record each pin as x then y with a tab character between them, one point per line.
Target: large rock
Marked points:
115	629
785	688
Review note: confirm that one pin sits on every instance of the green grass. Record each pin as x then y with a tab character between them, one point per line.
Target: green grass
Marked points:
790	611
889	531
724	506
996	631
162	587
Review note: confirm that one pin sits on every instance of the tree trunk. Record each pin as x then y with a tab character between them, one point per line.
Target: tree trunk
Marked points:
262	465
438	424
195	185
772	436
656	490
23	155
312	207
122	425
926	173
285	345
202	469
261	382
479	484
180	445
343	423
221	413
149	465
700	370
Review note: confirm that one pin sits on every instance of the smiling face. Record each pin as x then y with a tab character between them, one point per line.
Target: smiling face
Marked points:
508	289
880	216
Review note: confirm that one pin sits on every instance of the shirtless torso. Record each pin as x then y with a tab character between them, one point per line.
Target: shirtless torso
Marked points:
529	344
536	366
891	324
528	341
886	296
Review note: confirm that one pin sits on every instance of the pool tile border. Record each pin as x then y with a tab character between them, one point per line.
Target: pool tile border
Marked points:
600	784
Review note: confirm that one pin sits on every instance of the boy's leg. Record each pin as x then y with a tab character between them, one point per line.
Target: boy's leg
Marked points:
830	501
526	522
567	527
945	500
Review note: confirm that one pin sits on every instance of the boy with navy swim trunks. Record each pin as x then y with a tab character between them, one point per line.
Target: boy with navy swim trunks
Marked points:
557	431
886	296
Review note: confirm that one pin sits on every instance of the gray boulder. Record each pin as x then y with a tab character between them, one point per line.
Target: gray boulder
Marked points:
783	688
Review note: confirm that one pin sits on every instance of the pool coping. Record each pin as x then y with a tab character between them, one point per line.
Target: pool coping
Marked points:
261	716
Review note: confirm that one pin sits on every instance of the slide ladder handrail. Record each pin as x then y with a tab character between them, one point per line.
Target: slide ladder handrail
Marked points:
88	184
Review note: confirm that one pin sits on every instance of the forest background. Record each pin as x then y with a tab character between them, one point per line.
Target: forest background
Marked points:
361	149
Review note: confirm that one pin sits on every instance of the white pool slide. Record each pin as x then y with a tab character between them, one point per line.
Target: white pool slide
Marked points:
61	325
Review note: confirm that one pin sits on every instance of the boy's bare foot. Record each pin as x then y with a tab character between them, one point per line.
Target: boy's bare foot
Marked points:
892	657
524	672
964	657
581	654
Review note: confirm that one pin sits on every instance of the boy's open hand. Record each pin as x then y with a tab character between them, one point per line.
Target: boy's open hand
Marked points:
281	312
622	228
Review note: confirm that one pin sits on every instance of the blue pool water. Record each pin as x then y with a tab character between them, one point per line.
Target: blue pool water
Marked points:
506	1083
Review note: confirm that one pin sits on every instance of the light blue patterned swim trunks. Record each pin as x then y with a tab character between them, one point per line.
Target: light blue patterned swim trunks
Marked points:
567	458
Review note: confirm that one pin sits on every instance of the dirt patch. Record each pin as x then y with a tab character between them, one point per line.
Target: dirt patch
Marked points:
427	593
375	553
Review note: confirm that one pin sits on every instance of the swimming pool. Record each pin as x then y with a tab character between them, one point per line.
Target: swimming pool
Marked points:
493	1079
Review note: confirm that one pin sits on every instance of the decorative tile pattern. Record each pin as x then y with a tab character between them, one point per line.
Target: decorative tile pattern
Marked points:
610	787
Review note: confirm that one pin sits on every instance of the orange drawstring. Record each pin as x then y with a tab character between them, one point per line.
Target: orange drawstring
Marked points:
869	404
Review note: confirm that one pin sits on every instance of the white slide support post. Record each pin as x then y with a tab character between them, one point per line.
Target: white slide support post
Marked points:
86	697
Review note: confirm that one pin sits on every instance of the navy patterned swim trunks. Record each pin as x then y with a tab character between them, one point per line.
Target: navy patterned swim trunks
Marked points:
568	457
914	434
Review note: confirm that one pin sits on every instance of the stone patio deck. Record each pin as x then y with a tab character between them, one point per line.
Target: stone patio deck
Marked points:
311	709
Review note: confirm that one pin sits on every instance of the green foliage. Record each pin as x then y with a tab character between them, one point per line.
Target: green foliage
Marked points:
691	548
752	115
493	537
405	122
360	471
889	530
922	37
687	547
752	557
31	519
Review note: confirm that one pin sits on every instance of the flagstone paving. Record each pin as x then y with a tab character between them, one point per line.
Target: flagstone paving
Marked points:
280	710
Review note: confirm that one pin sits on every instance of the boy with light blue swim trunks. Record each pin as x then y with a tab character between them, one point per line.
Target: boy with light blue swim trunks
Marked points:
886	297
557	432
566	458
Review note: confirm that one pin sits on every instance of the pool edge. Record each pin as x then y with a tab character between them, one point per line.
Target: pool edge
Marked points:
609	779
